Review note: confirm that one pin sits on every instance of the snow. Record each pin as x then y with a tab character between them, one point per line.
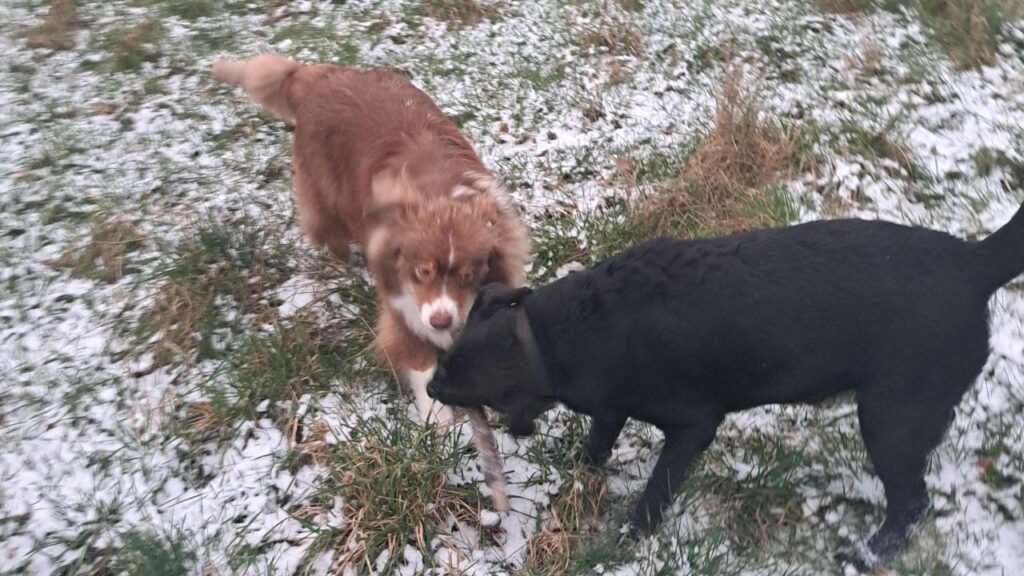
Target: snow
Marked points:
82	434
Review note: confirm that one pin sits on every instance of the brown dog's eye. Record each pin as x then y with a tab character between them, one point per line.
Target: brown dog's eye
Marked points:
424	273
466	278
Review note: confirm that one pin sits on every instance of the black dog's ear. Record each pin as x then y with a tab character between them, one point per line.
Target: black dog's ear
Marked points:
495	296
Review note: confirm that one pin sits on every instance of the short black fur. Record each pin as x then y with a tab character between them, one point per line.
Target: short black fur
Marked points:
680	333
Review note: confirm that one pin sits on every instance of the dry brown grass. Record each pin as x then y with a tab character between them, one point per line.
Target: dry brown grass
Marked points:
133	46
574	513
177	310
742	154
200	419
458	12
616	36
103	258
867	62
969	30
57	30
844	6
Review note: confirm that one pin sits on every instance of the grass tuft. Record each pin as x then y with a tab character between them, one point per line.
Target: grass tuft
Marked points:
129	48
574	515
147	554
57	30
103	258
615	36
295	358
457	12
191	9
969	30
743	153
845	6
219	269
392	477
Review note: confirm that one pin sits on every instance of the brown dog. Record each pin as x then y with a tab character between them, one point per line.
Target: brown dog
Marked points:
377	163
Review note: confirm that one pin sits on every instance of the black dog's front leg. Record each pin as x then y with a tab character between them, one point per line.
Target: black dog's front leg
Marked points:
604	430
682	446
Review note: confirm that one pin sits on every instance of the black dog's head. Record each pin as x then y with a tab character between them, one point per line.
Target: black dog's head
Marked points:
489	363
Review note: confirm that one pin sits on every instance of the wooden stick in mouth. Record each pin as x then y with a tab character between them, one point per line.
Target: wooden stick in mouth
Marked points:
487	447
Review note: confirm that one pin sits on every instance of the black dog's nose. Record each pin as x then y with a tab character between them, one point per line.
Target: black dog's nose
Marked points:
432	389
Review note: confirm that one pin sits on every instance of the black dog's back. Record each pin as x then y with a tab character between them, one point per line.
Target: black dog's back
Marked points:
783	315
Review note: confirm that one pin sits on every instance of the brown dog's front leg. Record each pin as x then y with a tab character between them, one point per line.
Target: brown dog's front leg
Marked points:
682	446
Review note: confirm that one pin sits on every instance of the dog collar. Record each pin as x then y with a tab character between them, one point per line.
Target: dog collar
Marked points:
526	338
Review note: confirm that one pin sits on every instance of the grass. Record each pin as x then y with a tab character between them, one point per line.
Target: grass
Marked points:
105	256
392	478
290	360
298	355
57	30
216	268
149	554
457	13
845	6
616	36
969	30
190	9
718	186
573	522
727	181
130	47
323	40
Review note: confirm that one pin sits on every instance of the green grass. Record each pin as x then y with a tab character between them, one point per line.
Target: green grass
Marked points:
295	357
215	270
323	40
391	477
149	554
190	9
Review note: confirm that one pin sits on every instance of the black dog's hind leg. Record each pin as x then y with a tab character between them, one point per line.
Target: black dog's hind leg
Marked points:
899	434
604	430
682	446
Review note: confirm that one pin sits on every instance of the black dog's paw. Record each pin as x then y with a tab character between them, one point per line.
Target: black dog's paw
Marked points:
862	561
630	533
635	528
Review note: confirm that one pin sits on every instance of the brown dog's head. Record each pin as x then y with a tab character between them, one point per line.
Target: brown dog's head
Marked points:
430	259
489	364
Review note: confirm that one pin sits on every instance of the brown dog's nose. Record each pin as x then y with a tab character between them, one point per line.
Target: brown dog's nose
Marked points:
441	320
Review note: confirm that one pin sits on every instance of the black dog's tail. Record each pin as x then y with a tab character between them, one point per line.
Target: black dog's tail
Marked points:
1003	253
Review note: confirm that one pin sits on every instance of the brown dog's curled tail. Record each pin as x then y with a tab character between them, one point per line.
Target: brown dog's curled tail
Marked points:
487	447
264	78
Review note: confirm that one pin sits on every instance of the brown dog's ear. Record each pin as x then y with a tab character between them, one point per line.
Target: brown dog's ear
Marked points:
494	297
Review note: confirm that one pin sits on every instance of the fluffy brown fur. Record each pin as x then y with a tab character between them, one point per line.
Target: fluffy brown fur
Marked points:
376	163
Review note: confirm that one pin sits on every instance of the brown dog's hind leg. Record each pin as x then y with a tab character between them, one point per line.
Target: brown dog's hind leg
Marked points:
321	225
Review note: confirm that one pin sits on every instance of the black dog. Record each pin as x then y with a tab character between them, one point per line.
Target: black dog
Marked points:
680	333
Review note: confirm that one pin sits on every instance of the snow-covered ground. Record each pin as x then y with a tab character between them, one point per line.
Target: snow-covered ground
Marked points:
92	452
